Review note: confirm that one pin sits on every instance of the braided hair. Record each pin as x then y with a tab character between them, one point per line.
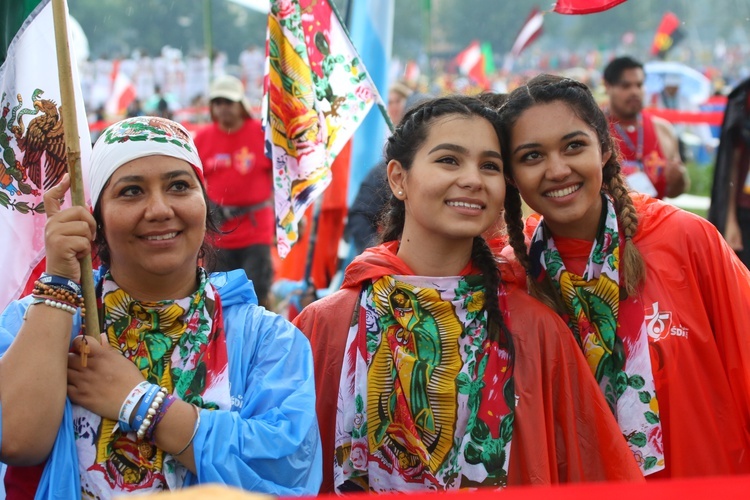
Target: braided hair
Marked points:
545	89
402	147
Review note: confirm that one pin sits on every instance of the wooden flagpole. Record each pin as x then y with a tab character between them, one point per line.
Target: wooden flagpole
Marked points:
73	147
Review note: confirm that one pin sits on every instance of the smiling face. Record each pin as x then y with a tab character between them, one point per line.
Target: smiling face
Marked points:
557	167
455	187
626	96
154	217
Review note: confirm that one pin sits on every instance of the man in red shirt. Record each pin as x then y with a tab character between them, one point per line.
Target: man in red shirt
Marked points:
239	183
649	150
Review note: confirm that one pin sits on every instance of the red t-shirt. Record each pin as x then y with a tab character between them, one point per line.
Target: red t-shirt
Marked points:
238	174
651	160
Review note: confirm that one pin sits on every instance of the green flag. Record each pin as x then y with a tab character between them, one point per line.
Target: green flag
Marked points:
489	59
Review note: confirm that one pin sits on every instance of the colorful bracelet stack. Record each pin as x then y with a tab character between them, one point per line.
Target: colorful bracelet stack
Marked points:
146	405
60	293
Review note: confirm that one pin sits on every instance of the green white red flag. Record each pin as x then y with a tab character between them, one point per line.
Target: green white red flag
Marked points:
317	94
32	146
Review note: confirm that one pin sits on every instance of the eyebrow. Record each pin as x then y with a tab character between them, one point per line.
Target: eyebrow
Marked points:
463	150
139	178
532	145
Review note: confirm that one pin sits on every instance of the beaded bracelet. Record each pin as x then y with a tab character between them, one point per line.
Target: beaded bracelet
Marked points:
151	411
57	291
195	431
129	405
169	399
66	283
47	301
59	294
142	411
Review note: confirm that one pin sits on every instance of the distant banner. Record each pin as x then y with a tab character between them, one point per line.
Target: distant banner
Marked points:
577	7
693	117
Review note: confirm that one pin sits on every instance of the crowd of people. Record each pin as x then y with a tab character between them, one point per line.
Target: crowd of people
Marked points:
470	344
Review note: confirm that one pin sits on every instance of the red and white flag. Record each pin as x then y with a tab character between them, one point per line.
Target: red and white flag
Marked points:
123	92
530	31
470	62
576	7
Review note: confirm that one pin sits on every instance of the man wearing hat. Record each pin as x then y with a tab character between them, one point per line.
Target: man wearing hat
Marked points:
239	184
649	150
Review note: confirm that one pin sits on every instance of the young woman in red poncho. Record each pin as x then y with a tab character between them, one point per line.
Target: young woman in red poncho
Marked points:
657	301
433	373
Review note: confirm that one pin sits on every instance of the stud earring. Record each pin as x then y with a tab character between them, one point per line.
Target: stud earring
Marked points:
400	193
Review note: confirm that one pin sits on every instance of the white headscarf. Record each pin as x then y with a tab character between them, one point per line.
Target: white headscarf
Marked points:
134	138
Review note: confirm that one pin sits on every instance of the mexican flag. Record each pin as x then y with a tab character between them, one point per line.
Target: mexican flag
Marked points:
32	146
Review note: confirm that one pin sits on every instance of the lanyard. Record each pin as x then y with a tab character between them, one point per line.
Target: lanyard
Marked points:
626	138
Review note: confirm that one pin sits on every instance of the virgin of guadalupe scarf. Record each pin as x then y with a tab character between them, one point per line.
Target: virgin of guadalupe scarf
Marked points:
611	332
426	401
177	344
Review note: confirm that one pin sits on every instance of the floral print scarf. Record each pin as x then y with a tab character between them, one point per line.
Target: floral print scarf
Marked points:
611	332
426	401
177	344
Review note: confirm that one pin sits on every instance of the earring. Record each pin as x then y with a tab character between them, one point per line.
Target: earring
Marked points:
400	193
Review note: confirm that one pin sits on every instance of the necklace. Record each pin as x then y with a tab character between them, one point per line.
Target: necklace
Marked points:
636	148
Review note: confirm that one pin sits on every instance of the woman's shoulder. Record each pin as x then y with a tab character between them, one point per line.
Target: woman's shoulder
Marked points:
234	288
336	308
664	224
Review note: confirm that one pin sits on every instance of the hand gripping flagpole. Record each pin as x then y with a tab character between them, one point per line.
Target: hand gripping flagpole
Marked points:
73	148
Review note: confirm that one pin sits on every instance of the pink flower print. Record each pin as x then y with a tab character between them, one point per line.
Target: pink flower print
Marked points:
286	8
364	93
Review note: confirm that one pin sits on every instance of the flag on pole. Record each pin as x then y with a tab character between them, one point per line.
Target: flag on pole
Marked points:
470	62
122	94
576	7
33	156
371	28
668	34
318	92
530	31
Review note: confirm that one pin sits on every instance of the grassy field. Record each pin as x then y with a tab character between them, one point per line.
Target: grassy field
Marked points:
701	179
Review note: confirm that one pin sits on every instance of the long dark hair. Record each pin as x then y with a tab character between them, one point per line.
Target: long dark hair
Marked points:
545	89
402	146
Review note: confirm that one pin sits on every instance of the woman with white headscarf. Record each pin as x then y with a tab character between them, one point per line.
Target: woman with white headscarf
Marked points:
193	382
